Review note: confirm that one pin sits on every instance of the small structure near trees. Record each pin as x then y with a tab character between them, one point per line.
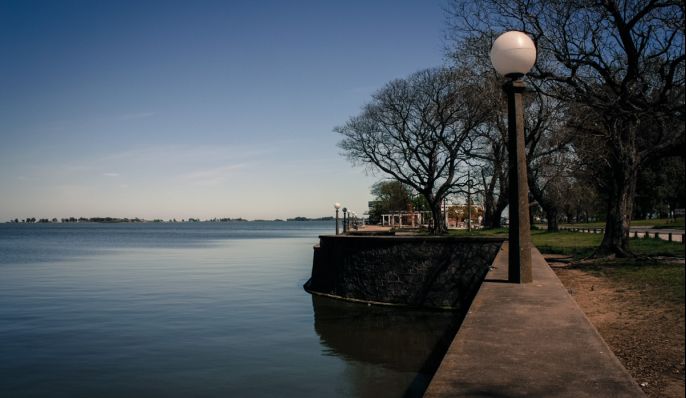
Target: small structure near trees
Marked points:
454	216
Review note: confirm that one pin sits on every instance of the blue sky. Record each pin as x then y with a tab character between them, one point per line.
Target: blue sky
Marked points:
195	109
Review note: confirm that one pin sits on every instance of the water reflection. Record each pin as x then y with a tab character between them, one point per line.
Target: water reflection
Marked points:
408	344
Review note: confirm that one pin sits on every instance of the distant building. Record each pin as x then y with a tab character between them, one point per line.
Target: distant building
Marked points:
456	216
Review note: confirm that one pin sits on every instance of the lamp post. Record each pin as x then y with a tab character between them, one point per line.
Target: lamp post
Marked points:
345	219
513	54
336	206
469	202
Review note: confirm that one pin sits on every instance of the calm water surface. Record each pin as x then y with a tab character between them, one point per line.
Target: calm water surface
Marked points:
205	310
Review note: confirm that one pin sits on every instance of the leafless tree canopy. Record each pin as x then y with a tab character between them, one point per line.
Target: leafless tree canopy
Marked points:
633	50
619	63
417	130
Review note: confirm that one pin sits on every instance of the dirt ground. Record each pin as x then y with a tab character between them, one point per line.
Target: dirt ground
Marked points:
647	335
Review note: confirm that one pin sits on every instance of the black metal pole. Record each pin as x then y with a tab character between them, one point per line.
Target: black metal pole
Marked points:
336	221
469	203
345	219
519	260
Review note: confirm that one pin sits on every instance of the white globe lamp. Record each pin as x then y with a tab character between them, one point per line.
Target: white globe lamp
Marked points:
513	54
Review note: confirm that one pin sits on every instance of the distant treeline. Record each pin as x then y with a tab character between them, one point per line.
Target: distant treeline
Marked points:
32	220
310	219
74	219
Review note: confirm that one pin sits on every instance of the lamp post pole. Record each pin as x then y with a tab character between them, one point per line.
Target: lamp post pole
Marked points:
520	231
337	206
345	219
469	203
513	54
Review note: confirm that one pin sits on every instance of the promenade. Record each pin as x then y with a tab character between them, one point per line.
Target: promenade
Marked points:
528	340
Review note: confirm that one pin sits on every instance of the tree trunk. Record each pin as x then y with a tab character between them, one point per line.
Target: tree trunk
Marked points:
488	220
500	206
551	215
489	209
494	218
615	240
547	204
620	199
438	227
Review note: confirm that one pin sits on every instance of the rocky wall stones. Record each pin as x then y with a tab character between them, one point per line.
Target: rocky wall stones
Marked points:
421	271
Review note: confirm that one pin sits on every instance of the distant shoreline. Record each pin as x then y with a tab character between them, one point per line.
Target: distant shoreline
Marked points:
115	220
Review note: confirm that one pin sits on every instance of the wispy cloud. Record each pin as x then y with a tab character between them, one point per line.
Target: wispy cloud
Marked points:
185	153
147	166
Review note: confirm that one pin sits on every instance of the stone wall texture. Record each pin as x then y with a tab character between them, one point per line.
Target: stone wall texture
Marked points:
418	271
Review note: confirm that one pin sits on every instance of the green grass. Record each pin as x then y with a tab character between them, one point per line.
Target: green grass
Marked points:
595	224
579	244
479	232
660	223
655	279
575	244
656	247
678	224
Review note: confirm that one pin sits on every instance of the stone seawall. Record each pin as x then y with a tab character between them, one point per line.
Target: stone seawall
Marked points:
419	271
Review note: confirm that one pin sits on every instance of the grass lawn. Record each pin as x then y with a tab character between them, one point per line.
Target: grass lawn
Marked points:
580	244
479	232
657	279
678	224
658	223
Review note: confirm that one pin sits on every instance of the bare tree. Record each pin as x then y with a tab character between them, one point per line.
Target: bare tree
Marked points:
620	60
418	131
548	157
546	138
493	178
490	153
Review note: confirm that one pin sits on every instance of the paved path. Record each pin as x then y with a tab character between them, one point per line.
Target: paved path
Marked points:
529	340
677	234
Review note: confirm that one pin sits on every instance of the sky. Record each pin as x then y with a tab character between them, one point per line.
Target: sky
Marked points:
171	109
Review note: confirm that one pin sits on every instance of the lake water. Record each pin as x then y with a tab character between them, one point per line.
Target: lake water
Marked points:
198	309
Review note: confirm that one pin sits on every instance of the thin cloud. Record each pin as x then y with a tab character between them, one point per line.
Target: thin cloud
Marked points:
183	153
111	174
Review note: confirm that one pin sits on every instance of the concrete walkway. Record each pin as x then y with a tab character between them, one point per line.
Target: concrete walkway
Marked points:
529	340
664	234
